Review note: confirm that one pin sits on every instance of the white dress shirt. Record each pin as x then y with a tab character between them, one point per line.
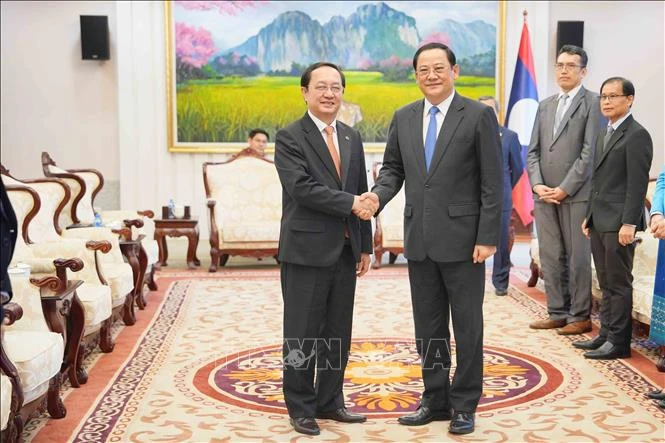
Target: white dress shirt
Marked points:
322	126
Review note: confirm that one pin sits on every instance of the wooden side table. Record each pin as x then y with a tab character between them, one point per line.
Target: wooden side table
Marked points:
178	227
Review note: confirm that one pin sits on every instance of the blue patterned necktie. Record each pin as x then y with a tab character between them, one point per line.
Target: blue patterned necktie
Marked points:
430	139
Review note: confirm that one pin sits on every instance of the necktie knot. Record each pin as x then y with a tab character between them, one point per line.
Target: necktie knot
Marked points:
610	129
564	97
329	130
433	110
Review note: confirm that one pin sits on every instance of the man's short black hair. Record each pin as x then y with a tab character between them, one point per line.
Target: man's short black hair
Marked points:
575	50
307	75
255	131
627	87
434	45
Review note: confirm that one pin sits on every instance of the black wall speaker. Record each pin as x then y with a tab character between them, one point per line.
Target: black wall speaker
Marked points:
569	33
95	37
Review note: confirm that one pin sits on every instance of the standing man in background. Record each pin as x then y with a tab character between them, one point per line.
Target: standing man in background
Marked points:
512	166
616	210
323	246
560	160
446	151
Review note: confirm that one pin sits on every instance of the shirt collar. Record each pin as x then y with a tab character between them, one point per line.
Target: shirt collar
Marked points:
320	124
617	123
443	106
572	93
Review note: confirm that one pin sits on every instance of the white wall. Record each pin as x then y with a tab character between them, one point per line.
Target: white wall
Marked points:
51	99
623	39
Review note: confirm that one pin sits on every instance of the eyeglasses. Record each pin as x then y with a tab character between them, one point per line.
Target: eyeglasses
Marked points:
438	70
335	89
568	66
610	98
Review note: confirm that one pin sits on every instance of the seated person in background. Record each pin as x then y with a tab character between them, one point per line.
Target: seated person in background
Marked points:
512	166
258	139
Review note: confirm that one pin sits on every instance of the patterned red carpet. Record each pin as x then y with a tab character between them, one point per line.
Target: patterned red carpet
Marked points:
204	364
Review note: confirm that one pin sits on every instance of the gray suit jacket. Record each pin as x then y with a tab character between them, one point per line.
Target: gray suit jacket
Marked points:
565	160
457	204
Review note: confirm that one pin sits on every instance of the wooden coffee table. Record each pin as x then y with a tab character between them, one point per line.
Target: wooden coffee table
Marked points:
178	227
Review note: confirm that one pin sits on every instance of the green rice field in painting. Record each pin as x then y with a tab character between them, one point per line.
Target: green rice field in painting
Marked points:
217	111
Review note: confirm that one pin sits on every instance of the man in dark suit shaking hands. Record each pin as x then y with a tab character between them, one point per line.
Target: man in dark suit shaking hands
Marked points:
446	151
323	246
616	210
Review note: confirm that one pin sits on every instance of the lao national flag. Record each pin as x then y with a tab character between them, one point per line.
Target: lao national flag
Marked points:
520	116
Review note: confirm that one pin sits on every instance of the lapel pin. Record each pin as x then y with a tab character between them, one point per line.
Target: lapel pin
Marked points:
346	137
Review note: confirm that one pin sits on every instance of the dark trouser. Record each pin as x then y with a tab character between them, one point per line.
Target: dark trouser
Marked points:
437	289
501	267
318	313
614	266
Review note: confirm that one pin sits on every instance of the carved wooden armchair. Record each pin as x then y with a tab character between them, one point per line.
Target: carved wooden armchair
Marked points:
31	355
389	232
94	294
245	203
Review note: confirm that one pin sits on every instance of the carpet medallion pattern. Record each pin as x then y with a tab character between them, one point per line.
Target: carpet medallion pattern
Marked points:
208	368
382	378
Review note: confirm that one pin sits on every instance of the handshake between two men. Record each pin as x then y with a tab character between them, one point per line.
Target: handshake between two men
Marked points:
365	205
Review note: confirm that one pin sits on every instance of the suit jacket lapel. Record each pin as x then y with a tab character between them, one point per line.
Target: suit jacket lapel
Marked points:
571	109
453	118
344	140
416	128
315	139
614	139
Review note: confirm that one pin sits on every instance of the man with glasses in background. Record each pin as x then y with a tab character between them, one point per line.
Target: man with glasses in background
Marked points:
616	210
560	161
325	242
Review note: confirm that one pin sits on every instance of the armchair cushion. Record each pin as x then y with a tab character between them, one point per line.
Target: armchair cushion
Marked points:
37	357
96	301
5	400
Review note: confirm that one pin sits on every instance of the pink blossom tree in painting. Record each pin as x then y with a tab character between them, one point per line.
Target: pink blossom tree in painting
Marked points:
193	49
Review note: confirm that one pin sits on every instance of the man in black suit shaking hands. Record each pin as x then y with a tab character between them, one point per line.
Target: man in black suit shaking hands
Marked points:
445	149
323	245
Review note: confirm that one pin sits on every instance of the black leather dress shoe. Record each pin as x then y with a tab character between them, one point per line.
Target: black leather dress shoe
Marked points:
343	415
424	415
501	291
589	345
608	351
462	423
656	395
305	425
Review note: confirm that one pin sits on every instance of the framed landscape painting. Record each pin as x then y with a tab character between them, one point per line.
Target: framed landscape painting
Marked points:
235	65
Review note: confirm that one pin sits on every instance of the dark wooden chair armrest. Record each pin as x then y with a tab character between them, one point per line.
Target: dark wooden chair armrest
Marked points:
134	222
11	312
146	213
103	245
58	284
124	233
